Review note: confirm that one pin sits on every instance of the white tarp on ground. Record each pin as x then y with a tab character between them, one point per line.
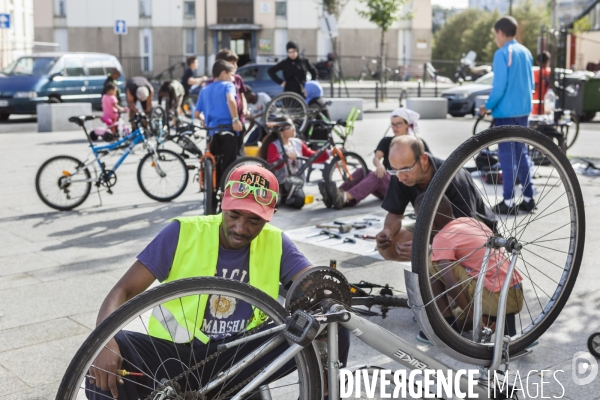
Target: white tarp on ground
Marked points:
361	247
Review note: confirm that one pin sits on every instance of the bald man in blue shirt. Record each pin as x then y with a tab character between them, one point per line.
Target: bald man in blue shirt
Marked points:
510	103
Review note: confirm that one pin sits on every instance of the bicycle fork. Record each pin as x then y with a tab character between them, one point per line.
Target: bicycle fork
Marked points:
337	152
212	159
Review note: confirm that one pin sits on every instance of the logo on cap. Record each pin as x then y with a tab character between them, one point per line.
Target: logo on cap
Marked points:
253	179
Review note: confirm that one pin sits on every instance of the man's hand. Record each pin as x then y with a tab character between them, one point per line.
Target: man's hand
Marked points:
282	84
104	367
237	126
380	171
292	156
404	250
482	110
384	239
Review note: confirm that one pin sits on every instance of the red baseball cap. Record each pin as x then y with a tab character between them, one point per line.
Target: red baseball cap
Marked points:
257	176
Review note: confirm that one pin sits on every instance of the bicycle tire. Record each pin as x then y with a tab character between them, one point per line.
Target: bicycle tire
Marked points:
169	162
306	360
567	275
207	187
334	172
39	187
289	105
571	138
593	344
239	162
158	124
188	105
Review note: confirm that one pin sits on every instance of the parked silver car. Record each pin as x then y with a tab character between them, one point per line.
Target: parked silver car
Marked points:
461	99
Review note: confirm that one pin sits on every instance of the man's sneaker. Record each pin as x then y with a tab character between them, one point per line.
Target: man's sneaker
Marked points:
324	194
502	208
527	206
423	339
336	196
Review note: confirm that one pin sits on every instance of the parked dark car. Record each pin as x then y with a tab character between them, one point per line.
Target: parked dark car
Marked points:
256	76
54	78
461	99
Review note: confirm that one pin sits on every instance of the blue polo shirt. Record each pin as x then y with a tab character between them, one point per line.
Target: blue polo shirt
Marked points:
513	84
213	103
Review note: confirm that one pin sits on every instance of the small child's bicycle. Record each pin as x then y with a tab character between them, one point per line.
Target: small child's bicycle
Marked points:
64	182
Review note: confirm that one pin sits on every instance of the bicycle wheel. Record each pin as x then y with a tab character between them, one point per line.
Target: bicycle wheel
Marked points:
187	144
63	183
547	243
162	175
239	162
288	105
191	365
483	123
571	132
209	203
189	104
335	171
158	123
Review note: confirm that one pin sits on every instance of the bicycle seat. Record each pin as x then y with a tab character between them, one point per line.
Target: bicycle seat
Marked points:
80	120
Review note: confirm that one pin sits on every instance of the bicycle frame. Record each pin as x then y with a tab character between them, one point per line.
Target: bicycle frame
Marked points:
134	138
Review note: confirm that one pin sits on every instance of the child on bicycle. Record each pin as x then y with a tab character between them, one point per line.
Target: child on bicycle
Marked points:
111	107
283	150
217	109
464	239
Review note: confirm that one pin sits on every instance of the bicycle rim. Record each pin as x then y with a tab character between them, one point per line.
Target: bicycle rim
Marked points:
63	183
552	239
289	105
335	171
163	179
162	359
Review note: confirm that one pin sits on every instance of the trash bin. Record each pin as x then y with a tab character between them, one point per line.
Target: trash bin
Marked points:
574	88
591	99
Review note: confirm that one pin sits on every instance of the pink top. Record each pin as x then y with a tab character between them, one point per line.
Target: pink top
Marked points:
108	107
464	240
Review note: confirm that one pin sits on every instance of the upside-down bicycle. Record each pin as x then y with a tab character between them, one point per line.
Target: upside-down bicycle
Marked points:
544	247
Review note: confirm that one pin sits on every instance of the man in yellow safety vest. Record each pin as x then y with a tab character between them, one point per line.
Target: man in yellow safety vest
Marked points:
238	244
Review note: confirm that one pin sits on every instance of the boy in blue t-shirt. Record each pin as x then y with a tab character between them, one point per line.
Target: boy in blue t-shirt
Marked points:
217	108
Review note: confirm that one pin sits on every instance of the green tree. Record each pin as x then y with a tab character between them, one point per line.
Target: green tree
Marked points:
383	13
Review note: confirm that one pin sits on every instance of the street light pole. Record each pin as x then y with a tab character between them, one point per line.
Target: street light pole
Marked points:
510	7
205	37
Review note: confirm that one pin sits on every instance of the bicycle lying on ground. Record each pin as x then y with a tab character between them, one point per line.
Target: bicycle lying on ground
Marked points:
64	182
547	255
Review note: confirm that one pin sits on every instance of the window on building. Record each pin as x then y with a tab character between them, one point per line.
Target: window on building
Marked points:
189	41
146	49
60	8
189	9
281	8
145	8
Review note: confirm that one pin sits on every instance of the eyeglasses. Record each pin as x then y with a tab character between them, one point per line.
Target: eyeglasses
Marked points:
240	190
403	170
397	124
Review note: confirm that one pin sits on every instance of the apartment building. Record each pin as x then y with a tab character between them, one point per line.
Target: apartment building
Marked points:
160	32
17	39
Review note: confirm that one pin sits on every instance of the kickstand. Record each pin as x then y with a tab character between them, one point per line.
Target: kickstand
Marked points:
99	197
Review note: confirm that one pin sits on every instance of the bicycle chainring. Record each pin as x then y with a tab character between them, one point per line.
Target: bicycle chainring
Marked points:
108	178
315	285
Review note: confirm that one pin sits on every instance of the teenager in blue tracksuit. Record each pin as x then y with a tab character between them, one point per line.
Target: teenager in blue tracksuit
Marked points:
510	103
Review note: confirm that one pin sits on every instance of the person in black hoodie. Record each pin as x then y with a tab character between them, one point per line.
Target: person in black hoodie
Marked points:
294	70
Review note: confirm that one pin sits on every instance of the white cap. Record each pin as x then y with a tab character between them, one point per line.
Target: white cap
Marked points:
410	116
142	93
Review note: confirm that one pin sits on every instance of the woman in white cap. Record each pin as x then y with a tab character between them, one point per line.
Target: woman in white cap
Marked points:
364	183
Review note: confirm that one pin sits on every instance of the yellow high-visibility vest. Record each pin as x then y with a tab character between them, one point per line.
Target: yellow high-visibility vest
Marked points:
197	253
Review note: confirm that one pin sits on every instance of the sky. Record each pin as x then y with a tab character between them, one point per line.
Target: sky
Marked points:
451	3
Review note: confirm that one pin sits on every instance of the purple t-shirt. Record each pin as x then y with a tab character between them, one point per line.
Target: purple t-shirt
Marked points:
224	316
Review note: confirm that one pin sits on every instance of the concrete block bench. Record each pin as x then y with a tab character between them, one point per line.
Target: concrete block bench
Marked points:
340	107
55	117
428	107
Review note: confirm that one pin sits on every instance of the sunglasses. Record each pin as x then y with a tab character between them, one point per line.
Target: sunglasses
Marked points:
403	170
241	190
